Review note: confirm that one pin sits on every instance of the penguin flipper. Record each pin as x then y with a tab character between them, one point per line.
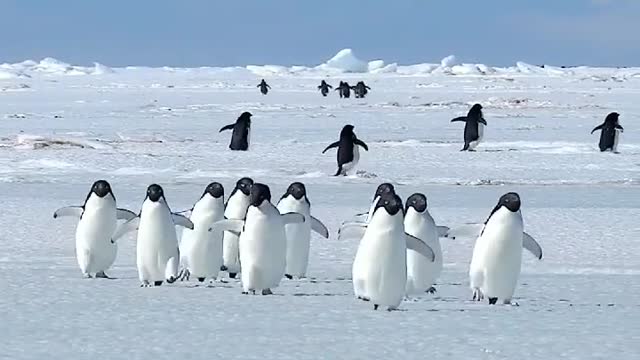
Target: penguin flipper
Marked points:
69	211
332	145
599	127
227	127
442	230
354	229
482	121
125	228
319	227
459	118
232	225
529	243
465	231
619	127
421	247
124	214
293	218
361	143
181	220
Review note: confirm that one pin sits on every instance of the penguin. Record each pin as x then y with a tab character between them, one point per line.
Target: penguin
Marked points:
295	200
361	90
202	251
264	87
610	134
95	252
380	266
241	136
346	90
339	89
497	253
262	242
236	208
157	253
473	128
348	153
422	273
324	88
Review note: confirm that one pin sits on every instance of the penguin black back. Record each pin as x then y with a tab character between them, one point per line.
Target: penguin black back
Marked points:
471	128
609	134
346	148
241	132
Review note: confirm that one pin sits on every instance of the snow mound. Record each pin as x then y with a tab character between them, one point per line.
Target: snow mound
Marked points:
449	62
35	142
49	66
346	61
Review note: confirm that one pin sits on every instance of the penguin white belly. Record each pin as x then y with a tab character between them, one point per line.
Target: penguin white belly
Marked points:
616	138
236	209
298	237
262	250
94	250
475	143
385	270
203	250
156	243
353	163
422	273
497	256
358	273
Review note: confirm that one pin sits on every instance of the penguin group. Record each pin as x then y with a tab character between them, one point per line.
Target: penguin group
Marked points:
248	235
360	90
399	253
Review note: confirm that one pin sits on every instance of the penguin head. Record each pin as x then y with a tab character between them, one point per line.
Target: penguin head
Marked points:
155	192
511	201
384	188
347	131
391	203
612	118
259	194
417	201
101	188
297	190
244	185
245	116
475	111
214	189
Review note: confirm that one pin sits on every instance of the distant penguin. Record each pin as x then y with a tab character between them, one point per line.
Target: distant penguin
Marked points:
497	254
298	235
95	251
201	251
422	273
241	136
264	87
157	253
610	134
324	88
346	90
473	128
361	90
339	89
235	209
262	242
348	153
380	266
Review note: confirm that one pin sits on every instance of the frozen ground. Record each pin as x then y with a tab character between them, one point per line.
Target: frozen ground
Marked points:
63	128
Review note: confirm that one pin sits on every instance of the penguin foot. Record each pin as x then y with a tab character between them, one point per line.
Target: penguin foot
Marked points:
431	290
477	295
223	268
375	306
290	277
493	301
158	283
170	280
245	293
87	276
201	279
508	302
145	283
224	281
101	275
185	275
267	292
233	275
253	292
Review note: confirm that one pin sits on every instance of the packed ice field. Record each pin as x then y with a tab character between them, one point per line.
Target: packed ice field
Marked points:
64	126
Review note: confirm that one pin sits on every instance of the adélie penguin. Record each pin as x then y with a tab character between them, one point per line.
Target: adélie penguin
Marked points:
95	250
473	128
610	135
422	273
348	151
262	241
497	254
235	209
157	253
295	200
380	265
201	250
241	135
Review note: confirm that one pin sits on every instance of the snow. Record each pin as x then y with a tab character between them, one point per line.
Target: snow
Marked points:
345	60
138	125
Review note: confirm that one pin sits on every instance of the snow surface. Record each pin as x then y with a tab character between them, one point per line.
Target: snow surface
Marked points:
137	125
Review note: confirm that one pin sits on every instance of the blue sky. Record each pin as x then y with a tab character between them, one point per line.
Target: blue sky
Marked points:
307	32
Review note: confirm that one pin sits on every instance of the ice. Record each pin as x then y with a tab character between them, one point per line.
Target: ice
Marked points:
139	125
345	60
